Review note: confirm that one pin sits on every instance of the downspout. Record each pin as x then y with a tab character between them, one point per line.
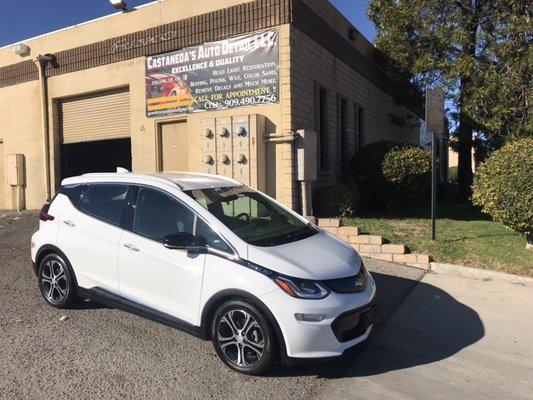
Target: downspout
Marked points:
41	65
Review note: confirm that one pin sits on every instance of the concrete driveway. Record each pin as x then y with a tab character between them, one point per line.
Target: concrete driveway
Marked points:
452	338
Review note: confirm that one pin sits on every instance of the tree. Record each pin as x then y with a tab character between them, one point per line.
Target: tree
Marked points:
476	50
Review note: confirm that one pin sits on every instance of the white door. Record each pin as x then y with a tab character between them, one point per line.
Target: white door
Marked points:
165	280
89	236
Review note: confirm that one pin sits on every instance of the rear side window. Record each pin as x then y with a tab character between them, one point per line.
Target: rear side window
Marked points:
73	192
106	202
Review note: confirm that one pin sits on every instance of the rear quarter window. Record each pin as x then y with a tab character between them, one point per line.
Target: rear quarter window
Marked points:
73	192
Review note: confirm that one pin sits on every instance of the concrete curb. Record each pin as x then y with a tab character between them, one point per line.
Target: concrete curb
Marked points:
480	274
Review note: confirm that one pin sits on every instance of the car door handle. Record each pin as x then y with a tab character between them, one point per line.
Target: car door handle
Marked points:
69	223
131	247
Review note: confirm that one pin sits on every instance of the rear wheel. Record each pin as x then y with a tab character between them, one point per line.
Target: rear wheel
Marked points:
243	337
56	281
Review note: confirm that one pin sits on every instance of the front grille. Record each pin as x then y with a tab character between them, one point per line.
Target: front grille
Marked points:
351	284
353	324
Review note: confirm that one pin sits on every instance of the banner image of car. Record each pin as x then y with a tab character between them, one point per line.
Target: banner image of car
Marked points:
236	72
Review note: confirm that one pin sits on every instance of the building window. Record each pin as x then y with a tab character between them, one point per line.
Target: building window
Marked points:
322	127
342	121
359	125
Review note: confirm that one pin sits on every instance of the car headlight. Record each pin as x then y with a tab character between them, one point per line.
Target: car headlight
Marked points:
294	287
301	288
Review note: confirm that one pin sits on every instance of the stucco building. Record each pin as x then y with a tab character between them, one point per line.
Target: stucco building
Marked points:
218	86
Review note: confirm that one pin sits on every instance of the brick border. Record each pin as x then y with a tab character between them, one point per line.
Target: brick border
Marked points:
374	246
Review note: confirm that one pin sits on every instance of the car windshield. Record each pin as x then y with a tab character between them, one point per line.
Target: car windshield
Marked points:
252	216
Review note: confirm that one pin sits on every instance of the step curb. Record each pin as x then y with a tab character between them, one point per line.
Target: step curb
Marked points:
479	274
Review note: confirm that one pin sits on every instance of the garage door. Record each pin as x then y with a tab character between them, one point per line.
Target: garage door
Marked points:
101	116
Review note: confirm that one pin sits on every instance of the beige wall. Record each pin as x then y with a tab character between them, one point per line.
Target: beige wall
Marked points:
3	187
152	15
20	129
21	125
311	66
303	65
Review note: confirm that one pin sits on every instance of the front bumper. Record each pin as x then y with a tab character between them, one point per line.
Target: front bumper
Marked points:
348	321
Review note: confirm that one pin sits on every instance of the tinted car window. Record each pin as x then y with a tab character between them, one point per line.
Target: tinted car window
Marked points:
252	216
73	192
158	215
106	202
213	240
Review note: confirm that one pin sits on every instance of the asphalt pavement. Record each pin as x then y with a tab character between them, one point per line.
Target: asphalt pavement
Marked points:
98	352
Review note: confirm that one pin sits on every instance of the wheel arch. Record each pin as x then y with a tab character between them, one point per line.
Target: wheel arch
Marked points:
50	249
236	294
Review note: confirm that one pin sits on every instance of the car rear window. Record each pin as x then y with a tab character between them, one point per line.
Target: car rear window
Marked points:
106	202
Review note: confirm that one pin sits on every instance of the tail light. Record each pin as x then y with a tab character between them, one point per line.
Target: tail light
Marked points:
43	215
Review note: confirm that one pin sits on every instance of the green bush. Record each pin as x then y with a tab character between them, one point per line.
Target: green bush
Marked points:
365	167
503	186
335	201
452	174
391	175
407	171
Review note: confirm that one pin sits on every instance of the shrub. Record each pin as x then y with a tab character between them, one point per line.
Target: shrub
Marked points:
407	171
391	175
335	201
503	186
365	167
452	174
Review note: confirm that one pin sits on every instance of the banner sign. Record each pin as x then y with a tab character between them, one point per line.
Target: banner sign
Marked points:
240	71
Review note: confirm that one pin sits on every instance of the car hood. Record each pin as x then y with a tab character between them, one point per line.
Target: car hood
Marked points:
319	257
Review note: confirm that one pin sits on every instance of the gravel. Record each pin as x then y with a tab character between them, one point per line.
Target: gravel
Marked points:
96	352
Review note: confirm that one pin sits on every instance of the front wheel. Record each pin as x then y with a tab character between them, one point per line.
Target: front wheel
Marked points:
243	337
56	281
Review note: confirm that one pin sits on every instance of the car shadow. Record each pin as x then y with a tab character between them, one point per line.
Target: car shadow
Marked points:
429	328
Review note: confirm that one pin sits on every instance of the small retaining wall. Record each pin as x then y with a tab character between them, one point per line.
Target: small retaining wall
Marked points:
374	246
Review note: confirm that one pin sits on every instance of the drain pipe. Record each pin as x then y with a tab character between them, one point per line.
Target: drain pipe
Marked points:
42	62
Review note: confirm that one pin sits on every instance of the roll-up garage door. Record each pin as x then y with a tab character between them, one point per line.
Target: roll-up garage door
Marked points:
94	117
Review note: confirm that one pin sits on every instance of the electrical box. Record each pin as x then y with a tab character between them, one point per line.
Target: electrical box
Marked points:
15	169
306	155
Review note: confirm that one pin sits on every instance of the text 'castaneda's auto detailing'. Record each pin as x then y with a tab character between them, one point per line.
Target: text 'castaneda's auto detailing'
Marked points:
235	72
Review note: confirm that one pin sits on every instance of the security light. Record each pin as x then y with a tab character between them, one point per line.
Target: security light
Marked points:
21	49
48	58
119	4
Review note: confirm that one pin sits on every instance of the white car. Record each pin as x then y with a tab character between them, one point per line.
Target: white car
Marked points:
210	256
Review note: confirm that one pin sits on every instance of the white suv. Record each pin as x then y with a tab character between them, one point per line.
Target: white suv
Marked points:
207	255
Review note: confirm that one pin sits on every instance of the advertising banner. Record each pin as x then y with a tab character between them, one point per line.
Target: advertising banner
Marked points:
240	71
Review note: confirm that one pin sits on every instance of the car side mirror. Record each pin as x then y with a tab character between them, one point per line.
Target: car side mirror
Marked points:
185	241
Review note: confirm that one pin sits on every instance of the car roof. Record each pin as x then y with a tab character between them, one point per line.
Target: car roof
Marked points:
183	180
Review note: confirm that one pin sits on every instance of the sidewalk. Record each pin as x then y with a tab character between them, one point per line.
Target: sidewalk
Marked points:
452	338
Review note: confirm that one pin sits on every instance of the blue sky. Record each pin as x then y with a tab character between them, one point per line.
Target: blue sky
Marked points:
21	20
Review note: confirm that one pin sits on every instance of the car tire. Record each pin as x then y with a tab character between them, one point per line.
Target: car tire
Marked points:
56	281
243	337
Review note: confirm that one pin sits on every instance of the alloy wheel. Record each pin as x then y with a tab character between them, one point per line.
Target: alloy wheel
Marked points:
54	281
241	338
